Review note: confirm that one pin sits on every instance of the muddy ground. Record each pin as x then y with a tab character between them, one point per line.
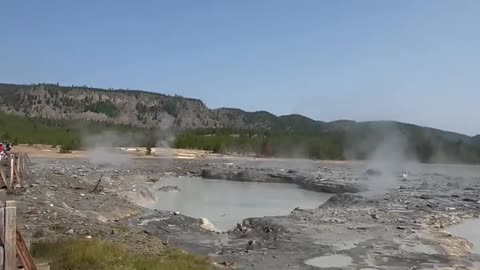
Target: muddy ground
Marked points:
379	218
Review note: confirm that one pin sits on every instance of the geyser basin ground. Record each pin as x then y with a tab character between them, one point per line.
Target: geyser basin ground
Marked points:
226	203
403	228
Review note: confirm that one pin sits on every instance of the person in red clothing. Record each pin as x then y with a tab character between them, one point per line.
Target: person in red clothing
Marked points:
2	153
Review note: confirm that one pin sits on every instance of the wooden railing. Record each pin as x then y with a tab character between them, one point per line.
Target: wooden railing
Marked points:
14	171
14	252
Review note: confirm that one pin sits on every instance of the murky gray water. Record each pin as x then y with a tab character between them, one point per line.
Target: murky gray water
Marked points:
226	203
330	261
470	231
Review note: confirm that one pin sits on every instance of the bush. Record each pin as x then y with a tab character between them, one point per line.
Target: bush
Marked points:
66	147
6	136
149	150
101	255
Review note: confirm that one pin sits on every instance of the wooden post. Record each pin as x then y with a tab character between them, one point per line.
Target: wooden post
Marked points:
19	178
12	170
10	244
27	163
2	235
19	166
23	167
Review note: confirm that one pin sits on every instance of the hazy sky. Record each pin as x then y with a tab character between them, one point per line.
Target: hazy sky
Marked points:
413	61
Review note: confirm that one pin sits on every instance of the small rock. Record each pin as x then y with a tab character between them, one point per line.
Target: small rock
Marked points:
425	197
88	237
453	184
114	232
207	225
227	264
69	232
373	172
82	194
176	213
168	189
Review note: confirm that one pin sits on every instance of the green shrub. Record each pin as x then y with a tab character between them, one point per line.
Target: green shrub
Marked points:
66	147
149	150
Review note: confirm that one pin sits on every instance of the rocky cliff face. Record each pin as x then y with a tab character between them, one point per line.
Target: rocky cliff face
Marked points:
146	109
136	108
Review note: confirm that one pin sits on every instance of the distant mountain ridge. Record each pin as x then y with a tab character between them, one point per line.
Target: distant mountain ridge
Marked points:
148	109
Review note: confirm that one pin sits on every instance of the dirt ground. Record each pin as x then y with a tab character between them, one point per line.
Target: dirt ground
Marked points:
400	226
47	151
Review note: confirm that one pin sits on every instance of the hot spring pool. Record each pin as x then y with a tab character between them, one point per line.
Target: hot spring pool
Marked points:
226	203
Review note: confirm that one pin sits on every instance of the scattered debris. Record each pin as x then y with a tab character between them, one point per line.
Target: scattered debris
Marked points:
98	187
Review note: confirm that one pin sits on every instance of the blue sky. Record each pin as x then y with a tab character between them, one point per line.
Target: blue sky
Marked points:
413	61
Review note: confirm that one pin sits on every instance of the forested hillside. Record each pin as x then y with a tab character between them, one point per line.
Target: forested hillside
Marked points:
60	115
